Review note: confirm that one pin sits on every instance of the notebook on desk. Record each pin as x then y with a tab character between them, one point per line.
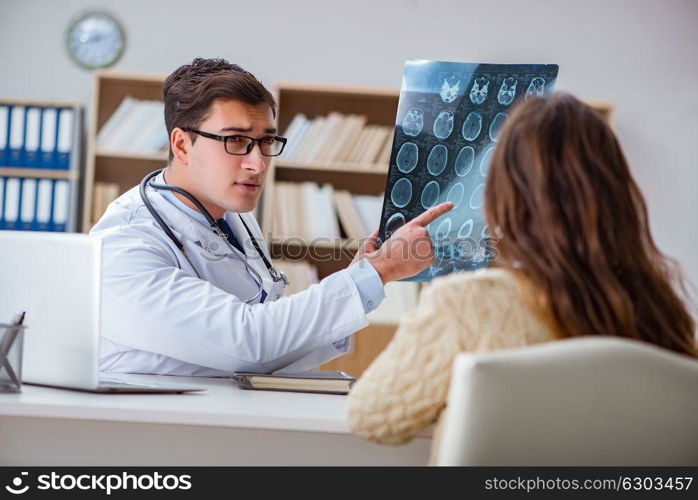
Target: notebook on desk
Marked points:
317	381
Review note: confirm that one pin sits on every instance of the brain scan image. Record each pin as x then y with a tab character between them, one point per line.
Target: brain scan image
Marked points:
477	199
413	122
436	162
449	89
536	88
448	125
466	229
496	125
485	162
395	222
464	161
472	126
407	157
430	194
507	91
478	92
443	125
442	229
455	194
401	194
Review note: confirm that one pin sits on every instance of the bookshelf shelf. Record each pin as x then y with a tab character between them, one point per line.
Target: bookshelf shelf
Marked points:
371	169
158	157
39	173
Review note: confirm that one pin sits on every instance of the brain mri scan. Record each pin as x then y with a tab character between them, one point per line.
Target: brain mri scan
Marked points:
407	157
507	91
431	164
449	89
478	92
472	126
436	163
443	125
536	88
413	123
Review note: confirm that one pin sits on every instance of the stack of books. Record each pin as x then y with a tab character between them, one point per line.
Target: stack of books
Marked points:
307	211
300	273
137	126
338	139
104	193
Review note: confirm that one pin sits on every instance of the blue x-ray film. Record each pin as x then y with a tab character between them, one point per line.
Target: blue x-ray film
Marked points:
448	123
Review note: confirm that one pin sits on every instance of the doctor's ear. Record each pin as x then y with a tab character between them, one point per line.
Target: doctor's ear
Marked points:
181	144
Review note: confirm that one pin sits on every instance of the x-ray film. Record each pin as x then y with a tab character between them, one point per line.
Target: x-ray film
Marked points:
447	126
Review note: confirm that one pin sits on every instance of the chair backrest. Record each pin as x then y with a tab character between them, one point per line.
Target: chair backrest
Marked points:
581	401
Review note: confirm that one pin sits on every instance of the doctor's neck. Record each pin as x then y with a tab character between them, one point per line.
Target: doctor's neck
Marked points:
171	177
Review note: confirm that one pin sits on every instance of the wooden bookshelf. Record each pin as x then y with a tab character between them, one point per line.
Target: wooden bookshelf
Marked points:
124	169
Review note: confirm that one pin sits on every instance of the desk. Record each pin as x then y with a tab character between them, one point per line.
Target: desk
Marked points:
222	426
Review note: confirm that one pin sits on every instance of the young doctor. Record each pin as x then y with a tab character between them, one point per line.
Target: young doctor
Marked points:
187	284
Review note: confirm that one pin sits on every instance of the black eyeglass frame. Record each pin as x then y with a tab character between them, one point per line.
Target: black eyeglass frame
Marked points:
250	146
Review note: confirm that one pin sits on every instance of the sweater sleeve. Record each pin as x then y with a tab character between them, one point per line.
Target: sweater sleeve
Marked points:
406	387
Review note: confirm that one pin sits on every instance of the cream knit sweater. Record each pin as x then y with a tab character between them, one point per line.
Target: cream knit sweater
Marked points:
405	388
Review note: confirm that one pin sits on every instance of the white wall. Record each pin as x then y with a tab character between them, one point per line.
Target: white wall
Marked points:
640	54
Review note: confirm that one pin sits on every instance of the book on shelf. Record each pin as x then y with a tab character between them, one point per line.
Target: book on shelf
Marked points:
308	211
103	194
338	138
137	126
301	274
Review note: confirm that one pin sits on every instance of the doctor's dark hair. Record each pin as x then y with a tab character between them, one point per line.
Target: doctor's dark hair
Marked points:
567	215
191	89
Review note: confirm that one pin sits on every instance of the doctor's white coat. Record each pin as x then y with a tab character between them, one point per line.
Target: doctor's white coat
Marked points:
158	317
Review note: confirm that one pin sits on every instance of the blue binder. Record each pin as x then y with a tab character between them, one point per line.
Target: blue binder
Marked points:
17	135
64	141
32	142
44	202
49	137
2	203
27	212
4	135
61	205
13	198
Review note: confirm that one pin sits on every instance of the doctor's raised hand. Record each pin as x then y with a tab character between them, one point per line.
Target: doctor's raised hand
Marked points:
407	252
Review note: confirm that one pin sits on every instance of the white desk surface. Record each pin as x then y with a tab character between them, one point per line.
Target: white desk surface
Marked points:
223	404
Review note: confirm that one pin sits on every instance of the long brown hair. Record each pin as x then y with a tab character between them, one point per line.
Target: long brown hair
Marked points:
566	214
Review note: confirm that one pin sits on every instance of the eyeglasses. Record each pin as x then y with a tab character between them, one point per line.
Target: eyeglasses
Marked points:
241	145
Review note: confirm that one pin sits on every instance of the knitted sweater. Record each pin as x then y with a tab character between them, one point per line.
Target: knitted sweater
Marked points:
405	388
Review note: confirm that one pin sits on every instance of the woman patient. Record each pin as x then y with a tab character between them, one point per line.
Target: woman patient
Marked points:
574	256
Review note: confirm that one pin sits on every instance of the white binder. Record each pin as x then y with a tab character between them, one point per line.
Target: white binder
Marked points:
60	205
12	186
16	135
43	204
2	202
48	137
28	203
65	138
4	118
31	145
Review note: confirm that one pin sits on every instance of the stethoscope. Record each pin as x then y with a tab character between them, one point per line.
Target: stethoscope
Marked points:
276	275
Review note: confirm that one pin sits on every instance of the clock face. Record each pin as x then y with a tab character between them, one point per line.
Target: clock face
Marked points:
95	40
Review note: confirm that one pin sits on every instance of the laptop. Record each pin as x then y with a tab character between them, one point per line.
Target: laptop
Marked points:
56	279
